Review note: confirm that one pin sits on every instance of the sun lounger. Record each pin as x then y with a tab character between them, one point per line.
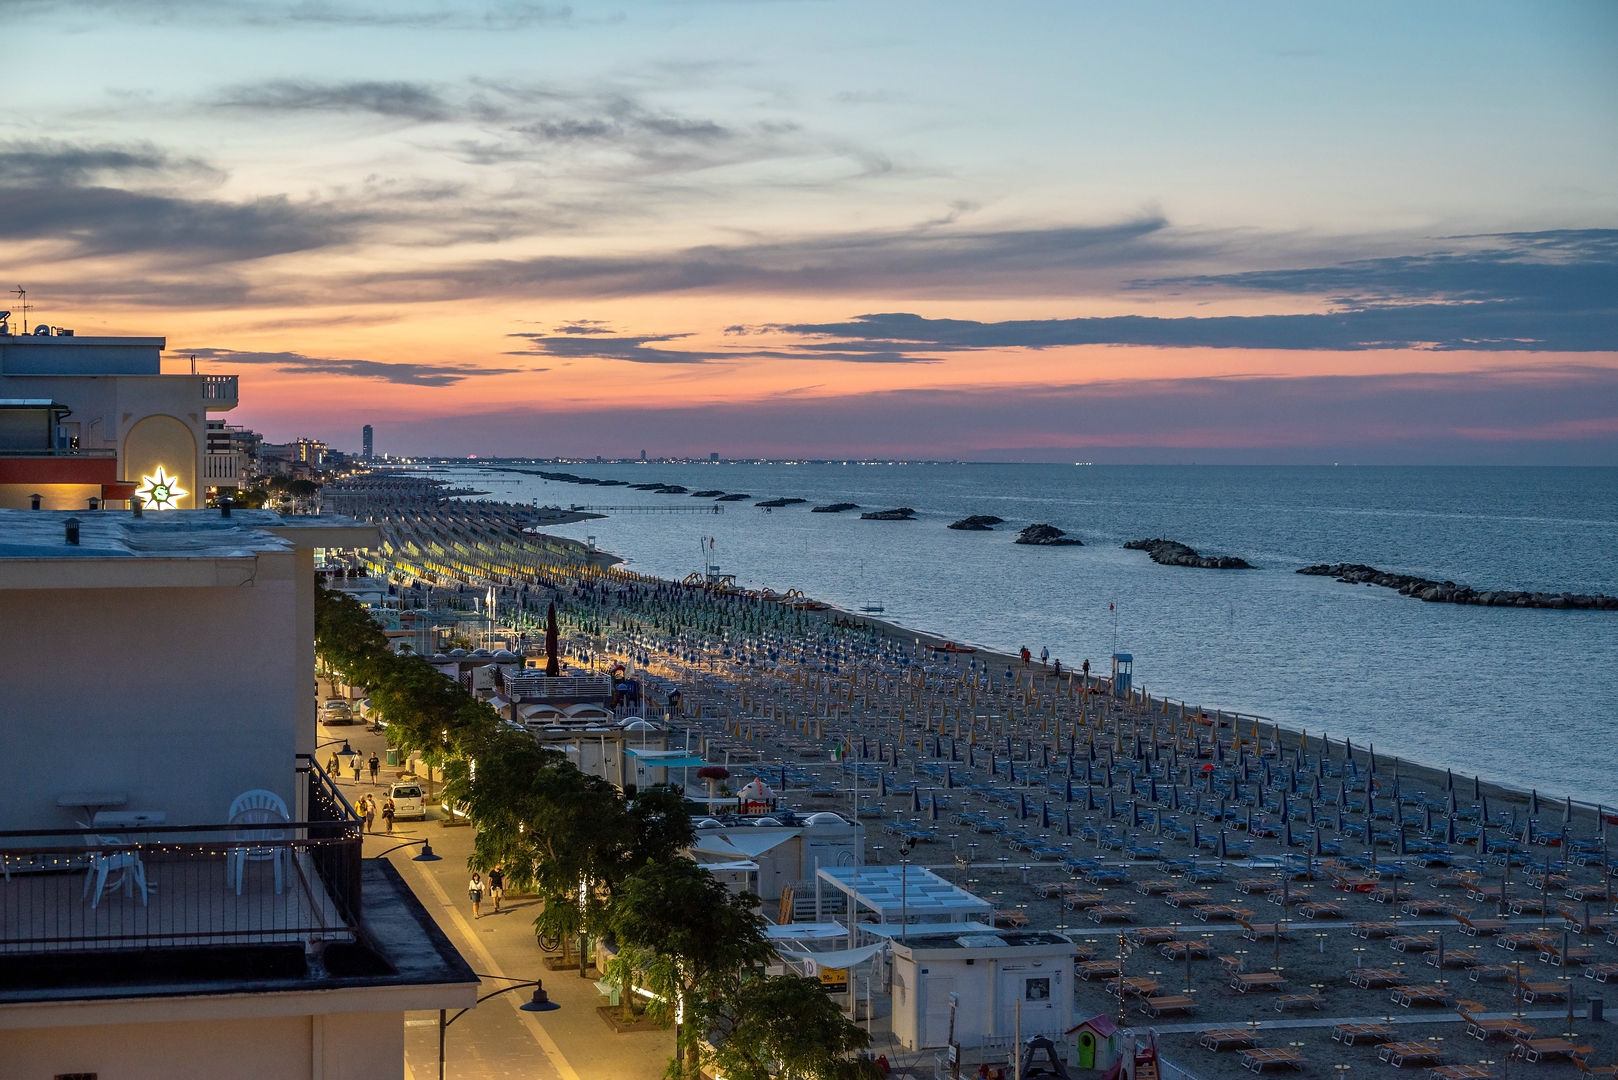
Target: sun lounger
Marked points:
1369	930
1110	913
1217	1039
1608	1072
1259	1058
1185	898
1460	1072
1480	927
1413	943
1265	931
1532	1050
1318	910
1210	912
1098	969
1349	1034
1231	964
1257	885
1543	991
1080	901
1491	973
1176	950
1134	986
1375	978
1600	972
1165	1004
1257	980
1400	1054
1420	994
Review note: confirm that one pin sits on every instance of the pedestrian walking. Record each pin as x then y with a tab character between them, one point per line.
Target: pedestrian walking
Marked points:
331	765
1058	667
1044	656
387	815
370	814
356	768
376	765
1026	656
497	887
474	889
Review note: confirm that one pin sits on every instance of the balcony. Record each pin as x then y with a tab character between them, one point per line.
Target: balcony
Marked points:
219	392
221	470
53	900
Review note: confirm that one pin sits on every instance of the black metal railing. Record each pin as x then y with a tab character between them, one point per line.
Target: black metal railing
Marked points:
147	887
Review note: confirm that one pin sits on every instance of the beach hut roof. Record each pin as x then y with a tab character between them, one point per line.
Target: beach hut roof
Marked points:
1101	1024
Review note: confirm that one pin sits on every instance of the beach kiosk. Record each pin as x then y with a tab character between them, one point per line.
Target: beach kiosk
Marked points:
1096	1043
1122	666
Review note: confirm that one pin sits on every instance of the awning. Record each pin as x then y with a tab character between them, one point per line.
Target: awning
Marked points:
812	931
844	958
746	844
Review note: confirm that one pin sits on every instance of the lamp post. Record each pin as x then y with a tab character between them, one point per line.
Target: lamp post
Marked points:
540	1002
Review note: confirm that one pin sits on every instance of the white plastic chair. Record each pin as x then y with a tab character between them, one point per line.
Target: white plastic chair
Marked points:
258	845
131	871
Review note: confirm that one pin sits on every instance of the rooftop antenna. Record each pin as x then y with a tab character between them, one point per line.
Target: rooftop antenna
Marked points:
22	292
193	363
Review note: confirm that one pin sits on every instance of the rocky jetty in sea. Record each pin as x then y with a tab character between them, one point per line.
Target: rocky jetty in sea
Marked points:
1174	553
713	493
903	513
977	523
1447	592
834	508
733	498
668	489
776	504
1047	536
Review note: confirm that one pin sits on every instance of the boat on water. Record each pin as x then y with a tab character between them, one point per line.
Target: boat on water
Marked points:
872	609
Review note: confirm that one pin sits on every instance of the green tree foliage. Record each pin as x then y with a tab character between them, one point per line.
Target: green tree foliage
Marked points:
701	937
782	1027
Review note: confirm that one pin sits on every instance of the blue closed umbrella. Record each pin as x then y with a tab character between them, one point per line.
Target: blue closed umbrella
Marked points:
1067	823
882	784
949	778
1224	853
933	812
1022	806
1044	815
1067	790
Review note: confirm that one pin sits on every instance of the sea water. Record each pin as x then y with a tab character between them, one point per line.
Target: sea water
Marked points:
1520	696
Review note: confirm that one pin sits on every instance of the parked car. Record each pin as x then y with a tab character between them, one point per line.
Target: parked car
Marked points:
336	711
407	802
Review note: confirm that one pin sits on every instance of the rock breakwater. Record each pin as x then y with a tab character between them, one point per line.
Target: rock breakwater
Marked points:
1174	553
977	523
903	513
1047	536
1447	592
834	508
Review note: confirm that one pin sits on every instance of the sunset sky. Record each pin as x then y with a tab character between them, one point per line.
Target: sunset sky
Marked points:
1122	232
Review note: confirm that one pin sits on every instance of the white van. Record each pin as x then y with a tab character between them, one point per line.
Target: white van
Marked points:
407	802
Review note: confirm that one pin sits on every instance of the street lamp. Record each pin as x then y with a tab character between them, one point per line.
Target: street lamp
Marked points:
540	1002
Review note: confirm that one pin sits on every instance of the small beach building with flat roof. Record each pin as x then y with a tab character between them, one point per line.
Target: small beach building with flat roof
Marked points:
185	891
993	976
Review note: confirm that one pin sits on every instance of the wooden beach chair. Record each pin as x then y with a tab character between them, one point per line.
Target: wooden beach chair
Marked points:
1218	1039
1166	1004
1374	978
1289	1002
1351	1033
1257	981
1259	1058
1176	950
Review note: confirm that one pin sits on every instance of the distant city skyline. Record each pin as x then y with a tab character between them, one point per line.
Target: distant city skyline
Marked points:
1046	232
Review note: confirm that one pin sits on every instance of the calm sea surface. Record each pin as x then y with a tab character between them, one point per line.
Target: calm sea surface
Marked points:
1524	697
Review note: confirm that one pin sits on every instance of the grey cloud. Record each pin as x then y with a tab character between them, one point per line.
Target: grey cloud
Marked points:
413	101
49	163
395	372
592	341
107	221
1555	291
917	261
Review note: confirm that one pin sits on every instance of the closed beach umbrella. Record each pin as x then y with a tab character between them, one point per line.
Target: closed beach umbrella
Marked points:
1249	822
1196	835
865	749
1449	781
1449	830
1067	791
1533	803
1022	806
1223	851
1401	841
1339	819
1152	789
994	767
933	810
1044	815
1567	813
1286	832
1483	808
1174	797
553	664
1483	842
1112	809
1477	788
949	778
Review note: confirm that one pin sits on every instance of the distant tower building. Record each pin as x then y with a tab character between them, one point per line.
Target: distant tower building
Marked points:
713	457
365	442
643	455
